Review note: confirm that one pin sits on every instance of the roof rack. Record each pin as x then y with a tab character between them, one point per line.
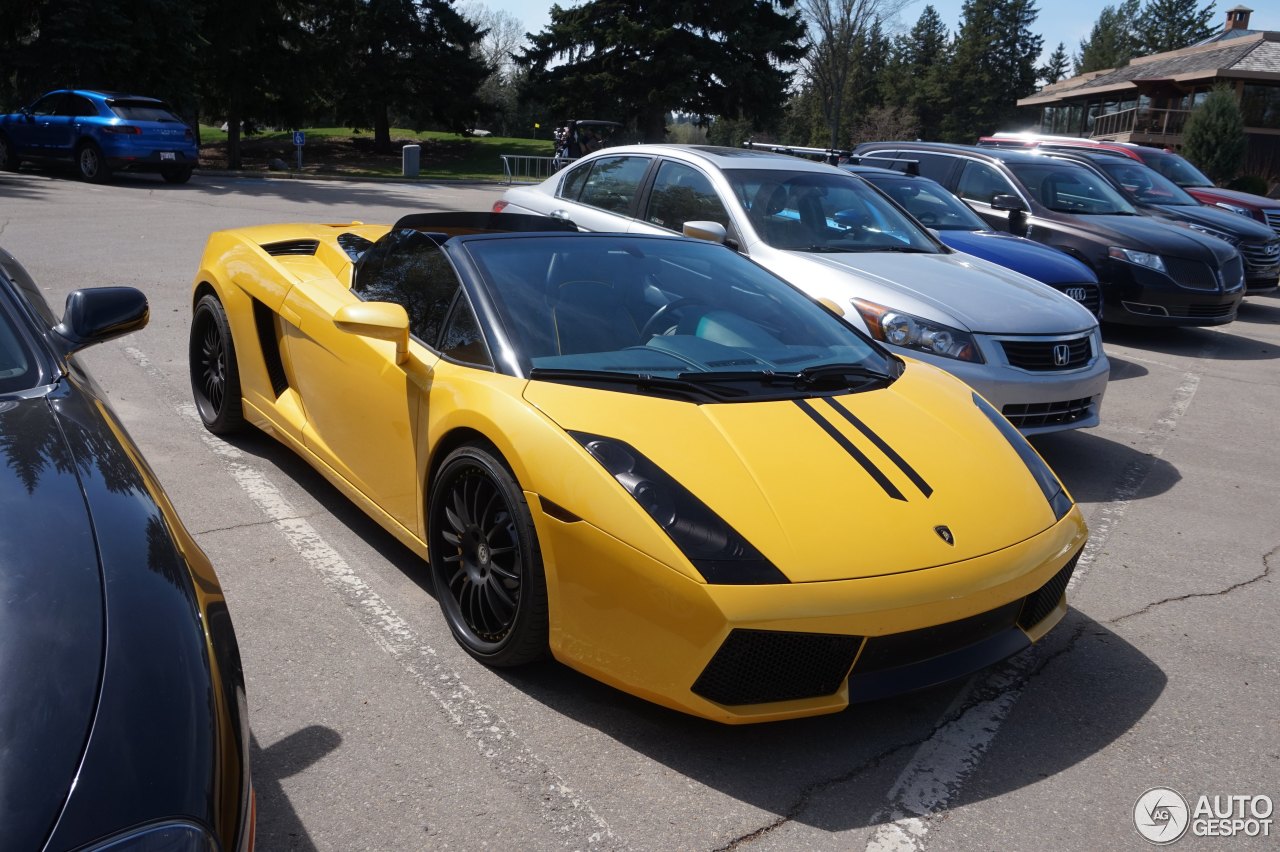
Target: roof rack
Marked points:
829	155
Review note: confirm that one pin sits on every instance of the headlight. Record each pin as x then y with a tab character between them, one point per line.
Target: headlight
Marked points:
1045	478
719	553
1141	258
169	836
1243	211
903	329
1212	232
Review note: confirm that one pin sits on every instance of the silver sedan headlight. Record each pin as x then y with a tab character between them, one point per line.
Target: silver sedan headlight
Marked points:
912	332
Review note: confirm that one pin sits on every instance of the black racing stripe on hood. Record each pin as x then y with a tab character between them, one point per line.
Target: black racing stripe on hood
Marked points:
848	447
889	451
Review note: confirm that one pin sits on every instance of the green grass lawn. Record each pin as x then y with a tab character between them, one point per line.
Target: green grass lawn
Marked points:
340	150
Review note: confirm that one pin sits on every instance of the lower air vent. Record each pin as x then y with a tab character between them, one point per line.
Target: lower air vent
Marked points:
757	666
265	321
304	248
1044	600
914	646
1035	414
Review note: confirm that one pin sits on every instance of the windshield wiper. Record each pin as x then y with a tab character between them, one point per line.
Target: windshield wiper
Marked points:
817	377
679	387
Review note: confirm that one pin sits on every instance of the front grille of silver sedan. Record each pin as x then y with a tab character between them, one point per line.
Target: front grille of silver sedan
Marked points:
1048	355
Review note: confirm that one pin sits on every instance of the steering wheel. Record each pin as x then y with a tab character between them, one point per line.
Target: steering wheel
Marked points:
928	218
651	325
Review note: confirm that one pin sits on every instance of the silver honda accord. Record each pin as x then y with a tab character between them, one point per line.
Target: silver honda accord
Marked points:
1033	352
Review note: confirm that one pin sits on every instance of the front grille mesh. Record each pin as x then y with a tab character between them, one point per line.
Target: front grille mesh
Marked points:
1192	274
1041	356
1045	599
757	666
1032	414
914	646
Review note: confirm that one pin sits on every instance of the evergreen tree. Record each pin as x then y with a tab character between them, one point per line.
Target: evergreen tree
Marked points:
639	59
916	77
1213	137
1056	67
1111	42
1166	25
994	64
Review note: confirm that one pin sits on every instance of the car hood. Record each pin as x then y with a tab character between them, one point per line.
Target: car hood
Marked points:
1235	196
785	474
1021	255
955	289
1215	217
1145	233
51	621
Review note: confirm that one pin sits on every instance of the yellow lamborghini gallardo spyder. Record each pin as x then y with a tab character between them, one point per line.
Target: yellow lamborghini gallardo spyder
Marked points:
644	455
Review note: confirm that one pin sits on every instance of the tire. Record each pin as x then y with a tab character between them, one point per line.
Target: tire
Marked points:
91	164
215	376
176	175
9	161
485	561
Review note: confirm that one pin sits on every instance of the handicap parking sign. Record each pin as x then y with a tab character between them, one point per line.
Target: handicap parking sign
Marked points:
299	138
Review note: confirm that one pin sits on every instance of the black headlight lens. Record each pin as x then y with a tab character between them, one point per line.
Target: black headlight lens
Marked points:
1045	478
719	553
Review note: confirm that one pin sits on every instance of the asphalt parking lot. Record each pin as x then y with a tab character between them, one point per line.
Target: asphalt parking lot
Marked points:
373	730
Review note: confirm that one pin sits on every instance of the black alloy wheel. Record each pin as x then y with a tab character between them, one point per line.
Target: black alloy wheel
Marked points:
485	560
91	164
215	377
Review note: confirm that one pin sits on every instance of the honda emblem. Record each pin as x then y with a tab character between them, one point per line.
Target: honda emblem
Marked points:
1061	355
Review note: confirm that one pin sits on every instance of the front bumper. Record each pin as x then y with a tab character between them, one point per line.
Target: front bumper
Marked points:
759	653
1137	295
1037	401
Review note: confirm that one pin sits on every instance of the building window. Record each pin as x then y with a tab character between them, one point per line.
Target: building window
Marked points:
1260	105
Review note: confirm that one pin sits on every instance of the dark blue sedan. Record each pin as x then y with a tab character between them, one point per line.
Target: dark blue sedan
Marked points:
961	229
99	132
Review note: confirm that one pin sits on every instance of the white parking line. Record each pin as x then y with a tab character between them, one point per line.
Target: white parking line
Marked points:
937	771
570	817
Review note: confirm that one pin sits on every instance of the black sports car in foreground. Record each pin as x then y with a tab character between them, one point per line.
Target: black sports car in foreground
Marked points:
122	711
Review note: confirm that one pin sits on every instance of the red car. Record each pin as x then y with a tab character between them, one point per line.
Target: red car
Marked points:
1167	163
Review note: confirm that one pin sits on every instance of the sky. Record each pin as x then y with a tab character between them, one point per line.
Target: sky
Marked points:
1066	21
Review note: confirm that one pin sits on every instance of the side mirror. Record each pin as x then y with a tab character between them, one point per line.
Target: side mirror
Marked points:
712	232
1011	203
379	320
831	305
100	313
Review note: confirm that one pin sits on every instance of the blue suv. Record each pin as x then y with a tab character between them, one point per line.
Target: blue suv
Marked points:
99	132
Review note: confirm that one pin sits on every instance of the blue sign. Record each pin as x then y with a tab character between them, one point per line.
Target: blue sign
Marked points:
299	138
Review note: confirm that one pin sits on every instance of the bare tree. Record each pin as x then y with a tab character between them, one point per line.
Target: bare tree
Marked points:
834	29
503	36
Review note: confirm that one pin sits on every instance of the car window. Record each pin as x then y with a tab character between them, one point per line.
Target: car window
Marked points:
48	105
17	363
682	194
981	182
827	211
614	182
142	111
1146	186
930	204
75	105
407	267
1068	188
462	339
1175	168
571	186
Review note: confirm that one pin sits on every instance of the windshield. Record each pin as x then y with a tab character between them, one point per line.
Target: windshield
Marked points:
675	313
823	212
1142	185
1174	167
1068	188
17	364
929	203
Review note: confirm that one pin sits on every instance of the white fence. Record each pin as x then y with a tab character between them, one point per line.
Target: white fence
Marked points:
529	169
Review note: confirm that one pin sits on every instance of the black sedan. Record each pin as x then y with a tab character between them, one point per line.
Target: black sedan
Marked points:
122	709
